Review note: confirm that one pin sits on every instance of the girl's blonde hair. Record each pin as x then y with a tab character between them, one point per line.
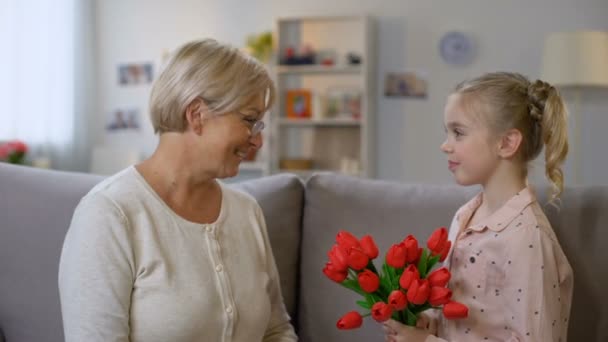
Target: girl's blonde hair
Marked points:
222	76
536	109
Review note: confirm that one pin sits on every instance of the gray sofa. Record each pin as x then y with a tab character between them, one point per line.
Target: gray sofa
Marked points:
36	207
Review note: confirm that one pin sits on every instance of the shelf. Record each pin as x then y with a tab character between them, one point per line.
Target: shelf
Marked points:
320	122
318	69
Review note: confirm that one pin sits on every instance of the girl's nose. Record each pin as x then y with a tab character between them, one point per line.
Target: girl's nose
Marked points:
445	147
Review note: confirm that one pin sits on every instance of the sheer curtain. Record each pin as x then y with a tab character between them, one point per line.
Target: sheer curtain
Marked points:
45	58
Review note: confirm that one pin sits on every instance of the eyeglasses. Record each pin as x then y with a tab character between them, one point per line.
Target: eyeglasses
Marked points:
257	128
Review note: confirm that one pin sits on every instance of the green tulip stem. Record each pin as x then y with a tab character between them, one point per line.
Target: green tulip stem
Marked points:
372	267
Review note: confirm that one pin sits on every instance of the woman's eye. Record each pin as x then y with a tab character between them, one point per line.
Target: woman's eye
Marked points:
249	119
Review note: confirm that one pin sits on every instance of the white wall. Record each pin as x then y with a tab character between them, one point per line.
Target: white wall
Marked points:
509	36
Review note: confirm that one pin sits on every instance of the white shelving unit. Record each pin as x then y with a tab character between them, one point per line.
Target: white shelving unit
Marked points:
331	142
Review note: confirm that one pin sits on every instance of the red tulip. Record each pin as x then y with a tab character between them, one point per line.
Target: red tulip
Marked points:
4	151
18	146
446	250
357	260
419	292
347	240
338	257
415	262
440	277
411	248
437	240
334	274
439	295
368	281
409	275
351	320
381	311
369	247
398	300
395	257
455	310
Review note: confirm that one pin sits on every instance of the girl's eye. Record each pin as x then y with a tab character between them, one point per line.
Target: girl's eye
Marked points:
457	133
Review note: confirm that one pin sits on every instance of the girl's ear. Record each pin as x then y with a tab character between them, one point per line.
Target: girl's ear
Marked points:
194	115
509	143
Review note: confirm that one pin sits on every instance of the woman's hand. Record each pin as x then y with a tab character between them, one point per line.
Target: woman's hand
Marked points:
397	332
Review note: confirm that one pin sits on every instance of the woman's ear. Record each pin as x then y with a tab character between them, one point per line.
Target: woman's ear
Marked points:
510	143
194	115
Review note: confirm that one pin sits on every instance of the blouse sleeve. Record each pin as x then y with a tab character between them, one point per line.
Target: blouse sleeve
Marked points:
279	328
538	287
96	274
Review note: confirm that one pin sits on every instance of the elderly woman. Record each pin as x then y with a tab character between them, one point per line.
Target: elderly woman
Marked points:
163	251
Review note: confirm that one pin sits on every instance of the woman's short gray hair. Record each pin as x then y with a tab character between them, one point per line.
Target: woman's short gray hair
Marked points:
225	78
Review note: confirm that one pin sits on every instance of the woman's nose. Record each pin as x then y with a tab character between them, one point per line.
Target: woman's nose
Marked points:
256	140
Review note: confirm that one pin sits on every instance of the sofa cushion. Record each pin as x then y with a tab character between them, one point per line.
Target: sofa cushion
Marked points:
389	211
36	207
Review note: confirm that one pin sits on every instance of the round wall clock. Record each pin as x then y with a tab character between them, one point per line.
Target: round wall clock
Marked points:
456	48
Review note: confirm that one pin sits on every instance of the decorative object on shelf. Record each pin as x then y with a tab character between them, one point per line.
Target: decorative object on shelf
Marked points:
327	57
353	58
41	162
343	102
260	46
457	48
350	166
405	84
306	56
13	152
298	103
296	164
318	105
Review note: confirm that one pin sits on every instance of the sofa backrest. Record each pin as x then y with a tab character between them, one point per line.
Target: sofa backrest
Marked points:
36	207
282	198
390	211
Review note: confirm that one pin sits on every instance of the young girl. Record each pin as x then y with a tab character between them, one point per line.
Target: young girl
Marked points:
507	265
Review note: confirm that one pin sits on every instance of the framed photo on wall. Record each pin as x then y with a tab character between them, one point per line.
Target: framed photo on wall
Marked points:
135	74
411	84
298	103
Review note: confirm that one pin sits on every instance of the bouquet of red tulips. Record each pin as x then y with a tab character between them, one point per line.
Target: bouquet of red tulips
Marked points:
13	151
406	286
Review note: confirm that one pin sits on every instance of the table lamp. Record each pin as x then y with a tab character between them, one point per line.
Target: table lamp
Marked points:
575	61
